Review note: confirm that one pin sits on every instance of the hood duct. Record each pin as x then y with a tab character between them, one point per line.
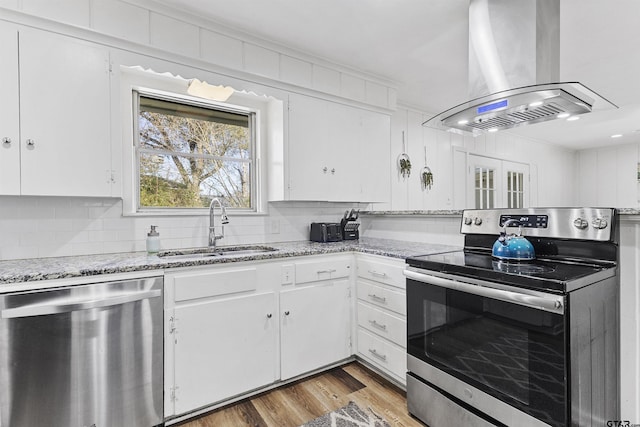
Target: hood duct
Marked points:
514	62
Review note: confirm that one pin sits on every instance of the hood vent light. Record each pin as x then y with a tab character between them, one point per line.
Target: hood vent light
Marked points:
514	57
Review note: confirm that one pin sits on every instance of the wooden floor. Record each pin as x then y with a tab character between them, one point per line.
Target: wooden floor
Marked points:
307	399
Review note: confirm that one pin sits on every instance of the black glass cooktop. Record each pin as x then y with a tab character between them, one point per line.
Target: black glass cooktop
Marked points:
543	274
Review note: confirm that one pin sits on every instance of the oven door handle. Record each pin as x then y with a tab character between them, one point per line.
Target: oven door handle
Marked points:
551	303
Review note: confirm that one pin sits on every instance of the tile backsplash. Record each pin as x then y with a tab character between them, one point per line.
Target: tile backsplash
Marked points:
34	227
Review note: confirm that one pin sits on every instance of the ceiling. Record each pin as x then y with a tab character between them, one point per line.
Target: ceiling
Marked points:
422	46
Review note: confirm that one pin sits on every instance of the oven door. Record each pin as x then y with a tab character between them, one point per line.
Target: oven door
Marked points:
467	336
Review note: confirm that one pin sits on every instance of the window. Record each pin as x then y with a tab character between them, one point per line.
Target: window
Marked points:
188	153
515	189
485	188
497	183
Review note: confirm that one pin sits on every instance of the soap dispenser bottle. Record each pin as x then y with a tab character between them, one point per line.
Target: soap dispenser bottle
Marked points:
153	241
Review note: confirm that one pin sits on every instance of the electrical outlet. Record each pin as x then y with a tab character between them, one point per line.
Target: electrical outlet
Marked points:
288	272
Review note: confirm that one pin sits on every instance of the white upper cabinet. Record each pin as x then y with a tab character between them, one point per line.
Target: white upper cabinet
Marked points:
334	152
60	126
64	113
374	157
9	113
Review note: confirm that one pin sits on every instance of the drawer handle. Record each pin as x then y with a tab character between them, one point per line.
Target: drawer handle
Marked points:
378	325
333	270
377	298
375	353
377	273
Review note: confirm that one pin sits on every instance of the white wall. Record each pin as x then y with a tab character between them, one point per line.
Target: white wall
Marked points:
630	318
549	164
32	227
608	176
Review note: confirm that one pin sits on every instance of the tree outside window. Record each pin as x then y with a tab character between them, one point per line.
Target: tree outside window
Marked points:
188	154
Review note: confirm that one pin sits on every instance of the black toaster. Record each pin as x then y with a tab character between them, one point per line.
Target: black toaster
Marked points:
325	232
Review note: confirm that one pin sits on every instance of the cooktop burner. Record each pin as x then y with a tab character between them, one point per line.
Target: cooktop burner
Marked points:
554	275
521	267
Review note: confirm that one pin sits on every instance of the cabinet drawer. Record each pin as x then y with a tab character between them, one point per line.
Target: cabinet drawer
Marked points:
382	323
204	284
325	269
382	353
381	296
384	272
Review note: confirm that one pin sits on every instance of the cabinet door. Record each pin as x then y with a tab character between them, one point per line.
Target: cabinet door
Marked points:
224	348
344	163
375	149
307	146
64	107
9	116
315	327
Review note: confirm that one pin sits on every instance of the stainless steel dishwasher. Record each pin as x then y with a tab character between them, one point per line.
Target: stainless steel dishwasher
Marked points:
82	356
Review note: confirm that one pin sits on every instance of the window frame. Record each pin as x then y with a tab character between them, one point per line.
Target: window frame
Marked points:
500	166
252	115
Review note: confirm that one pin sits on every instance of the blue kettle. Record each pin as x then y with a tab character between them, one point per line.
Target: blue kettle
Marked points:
513	247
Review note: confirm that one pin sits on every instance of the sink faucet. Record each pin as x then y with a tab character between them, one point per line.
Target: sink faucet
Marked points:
224	219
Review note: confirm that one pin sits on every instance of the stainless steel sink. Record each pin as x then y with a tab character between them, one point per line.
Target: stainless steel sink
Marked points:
225	251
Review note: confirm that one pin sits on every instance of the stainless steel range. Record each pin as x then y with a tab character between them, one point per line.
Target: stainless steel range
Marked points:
528	339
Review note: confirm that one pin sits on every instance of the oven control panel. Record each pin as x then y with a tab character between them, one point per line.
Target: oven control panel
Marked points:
525	221
566	223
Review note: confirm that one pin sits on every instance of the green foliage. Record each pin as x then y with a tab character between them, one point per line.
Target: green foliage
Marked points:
185	162
405	166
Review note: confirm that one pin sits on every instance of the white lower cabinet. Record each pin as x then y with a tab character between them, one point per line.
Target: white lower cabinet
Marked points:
232	329
388	356
381	315
224	348
315	326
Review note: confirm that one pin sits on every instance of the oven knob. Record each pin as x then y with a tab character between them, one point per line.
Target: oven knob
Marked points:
580	223
477	221
600	223
467	220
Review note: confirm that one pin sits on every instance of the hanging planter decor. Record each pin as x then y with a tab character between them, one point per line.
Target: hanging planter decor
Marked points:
404	164
426	176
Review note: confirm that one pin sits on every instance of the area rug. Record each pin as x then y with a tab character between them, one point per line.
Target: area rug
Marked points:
349	416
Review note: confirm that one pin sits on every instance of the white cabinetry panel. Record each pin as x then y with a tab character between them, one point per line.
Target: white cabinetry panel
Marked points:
382	296
381	315
224	348
308	138
383	323
9	112
391	357
322	269
315	326
55	110
64	113
334	152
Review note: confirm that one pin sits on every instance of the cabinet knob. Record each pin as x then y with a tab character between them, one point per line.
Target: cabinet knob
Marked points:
269	315
325	169
6	140
286	313
31	142
333	170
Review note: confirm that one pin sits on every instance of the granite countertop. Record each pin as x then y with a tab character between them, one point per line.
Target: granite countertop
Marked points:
28	270
621	211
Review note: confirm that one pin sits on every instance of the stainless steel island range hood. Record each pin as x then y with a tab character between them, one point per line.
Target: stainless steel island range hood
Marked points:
514	67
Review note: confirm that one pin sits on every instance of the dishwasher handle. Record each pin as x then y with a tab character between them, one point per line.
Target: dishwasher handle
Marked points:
551	303
67	305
